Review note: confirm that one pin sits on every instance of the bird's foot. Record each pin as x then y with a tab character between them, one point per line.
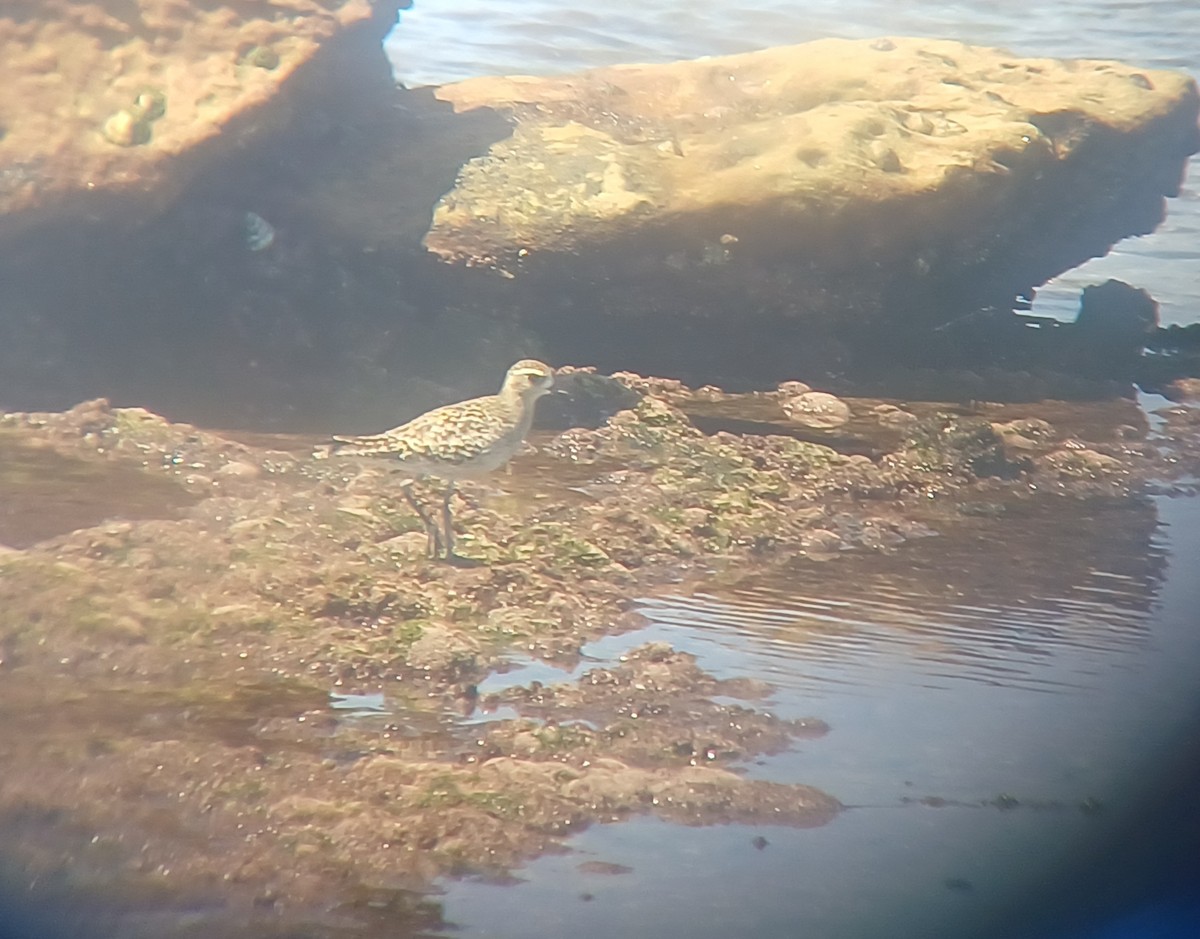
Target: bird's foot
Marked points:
458	560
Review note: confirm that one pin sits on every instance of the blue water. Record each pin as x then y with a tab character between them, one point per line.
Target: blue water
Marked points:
448	41
1178	919
1076	697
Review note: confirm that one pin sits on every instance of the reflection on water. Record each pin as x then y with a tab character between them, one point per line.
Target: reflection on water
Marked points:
43	494
996	716
961	642
1043	609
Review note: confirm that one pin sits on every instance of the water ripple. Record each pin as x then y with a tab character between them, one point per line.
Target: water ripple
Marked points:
1043	643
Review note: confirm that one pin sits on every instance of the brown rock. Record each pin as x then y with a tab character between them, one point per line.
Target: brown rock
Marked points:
1183	389
1082	463
822	544
410	544
113	96
817	409
835	181
1032	427
892	416
240	469
440	647
705	152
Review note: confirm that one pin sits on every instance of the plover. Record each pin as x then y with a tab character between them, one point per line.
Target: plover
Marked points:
457	441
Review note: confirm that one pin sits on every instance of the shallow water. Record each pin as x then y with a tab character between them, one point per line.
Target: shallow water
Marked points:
43	494
990	731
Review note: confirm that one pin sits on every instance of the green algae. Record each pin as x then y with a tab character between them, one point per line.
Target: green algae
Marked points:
263	57
947	443
559	737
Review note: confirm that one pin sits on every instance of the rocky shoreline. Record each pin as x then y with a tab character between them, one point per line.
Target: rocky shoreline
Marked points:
201	645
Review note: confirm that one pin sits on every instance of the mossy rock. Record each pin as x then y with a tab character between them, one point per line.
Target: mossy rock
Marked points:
970	446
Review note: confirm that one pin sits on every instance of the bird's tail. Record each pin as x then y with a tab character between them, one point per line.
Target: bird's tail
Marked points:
367	445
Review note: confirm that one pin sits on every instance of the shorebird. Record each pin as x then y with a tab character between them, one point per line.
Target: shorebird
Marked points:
457	441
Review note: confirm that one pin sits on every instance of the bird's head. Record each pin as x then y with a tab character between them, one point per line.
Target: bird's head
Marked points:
529	379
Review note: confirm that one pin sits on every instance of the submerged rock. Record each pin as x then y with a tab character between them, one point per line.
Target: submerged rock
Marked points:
1115	322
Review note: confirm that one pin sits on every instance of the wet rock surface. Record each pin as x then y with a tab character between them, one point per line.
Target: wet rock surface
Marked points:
166	709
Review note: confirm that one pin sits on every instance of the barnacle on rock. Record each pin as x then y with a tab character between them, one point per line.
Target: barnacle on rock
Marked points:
150	104
262	57
126	128
130	127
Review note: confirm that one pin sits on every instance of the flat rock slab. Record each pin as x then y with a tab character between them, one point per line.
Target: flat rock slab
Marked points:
832	177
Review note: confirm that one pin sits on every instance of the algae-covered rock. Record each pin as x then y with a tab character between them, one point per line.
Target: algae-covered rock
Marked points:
796	132
954	444
771	204
265	692
440	648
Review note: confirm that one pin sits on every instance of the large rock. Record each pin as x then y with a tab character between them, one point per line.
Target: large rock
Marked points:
134	97
790	133
299	240
844	180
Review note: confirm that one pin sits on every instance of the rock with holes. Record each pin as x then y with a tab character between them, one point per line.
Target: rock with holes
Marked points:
831	181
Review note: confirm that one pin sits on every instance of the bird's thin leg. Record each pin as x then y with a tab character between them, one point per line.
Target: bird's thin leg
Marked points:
447	522
434	548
